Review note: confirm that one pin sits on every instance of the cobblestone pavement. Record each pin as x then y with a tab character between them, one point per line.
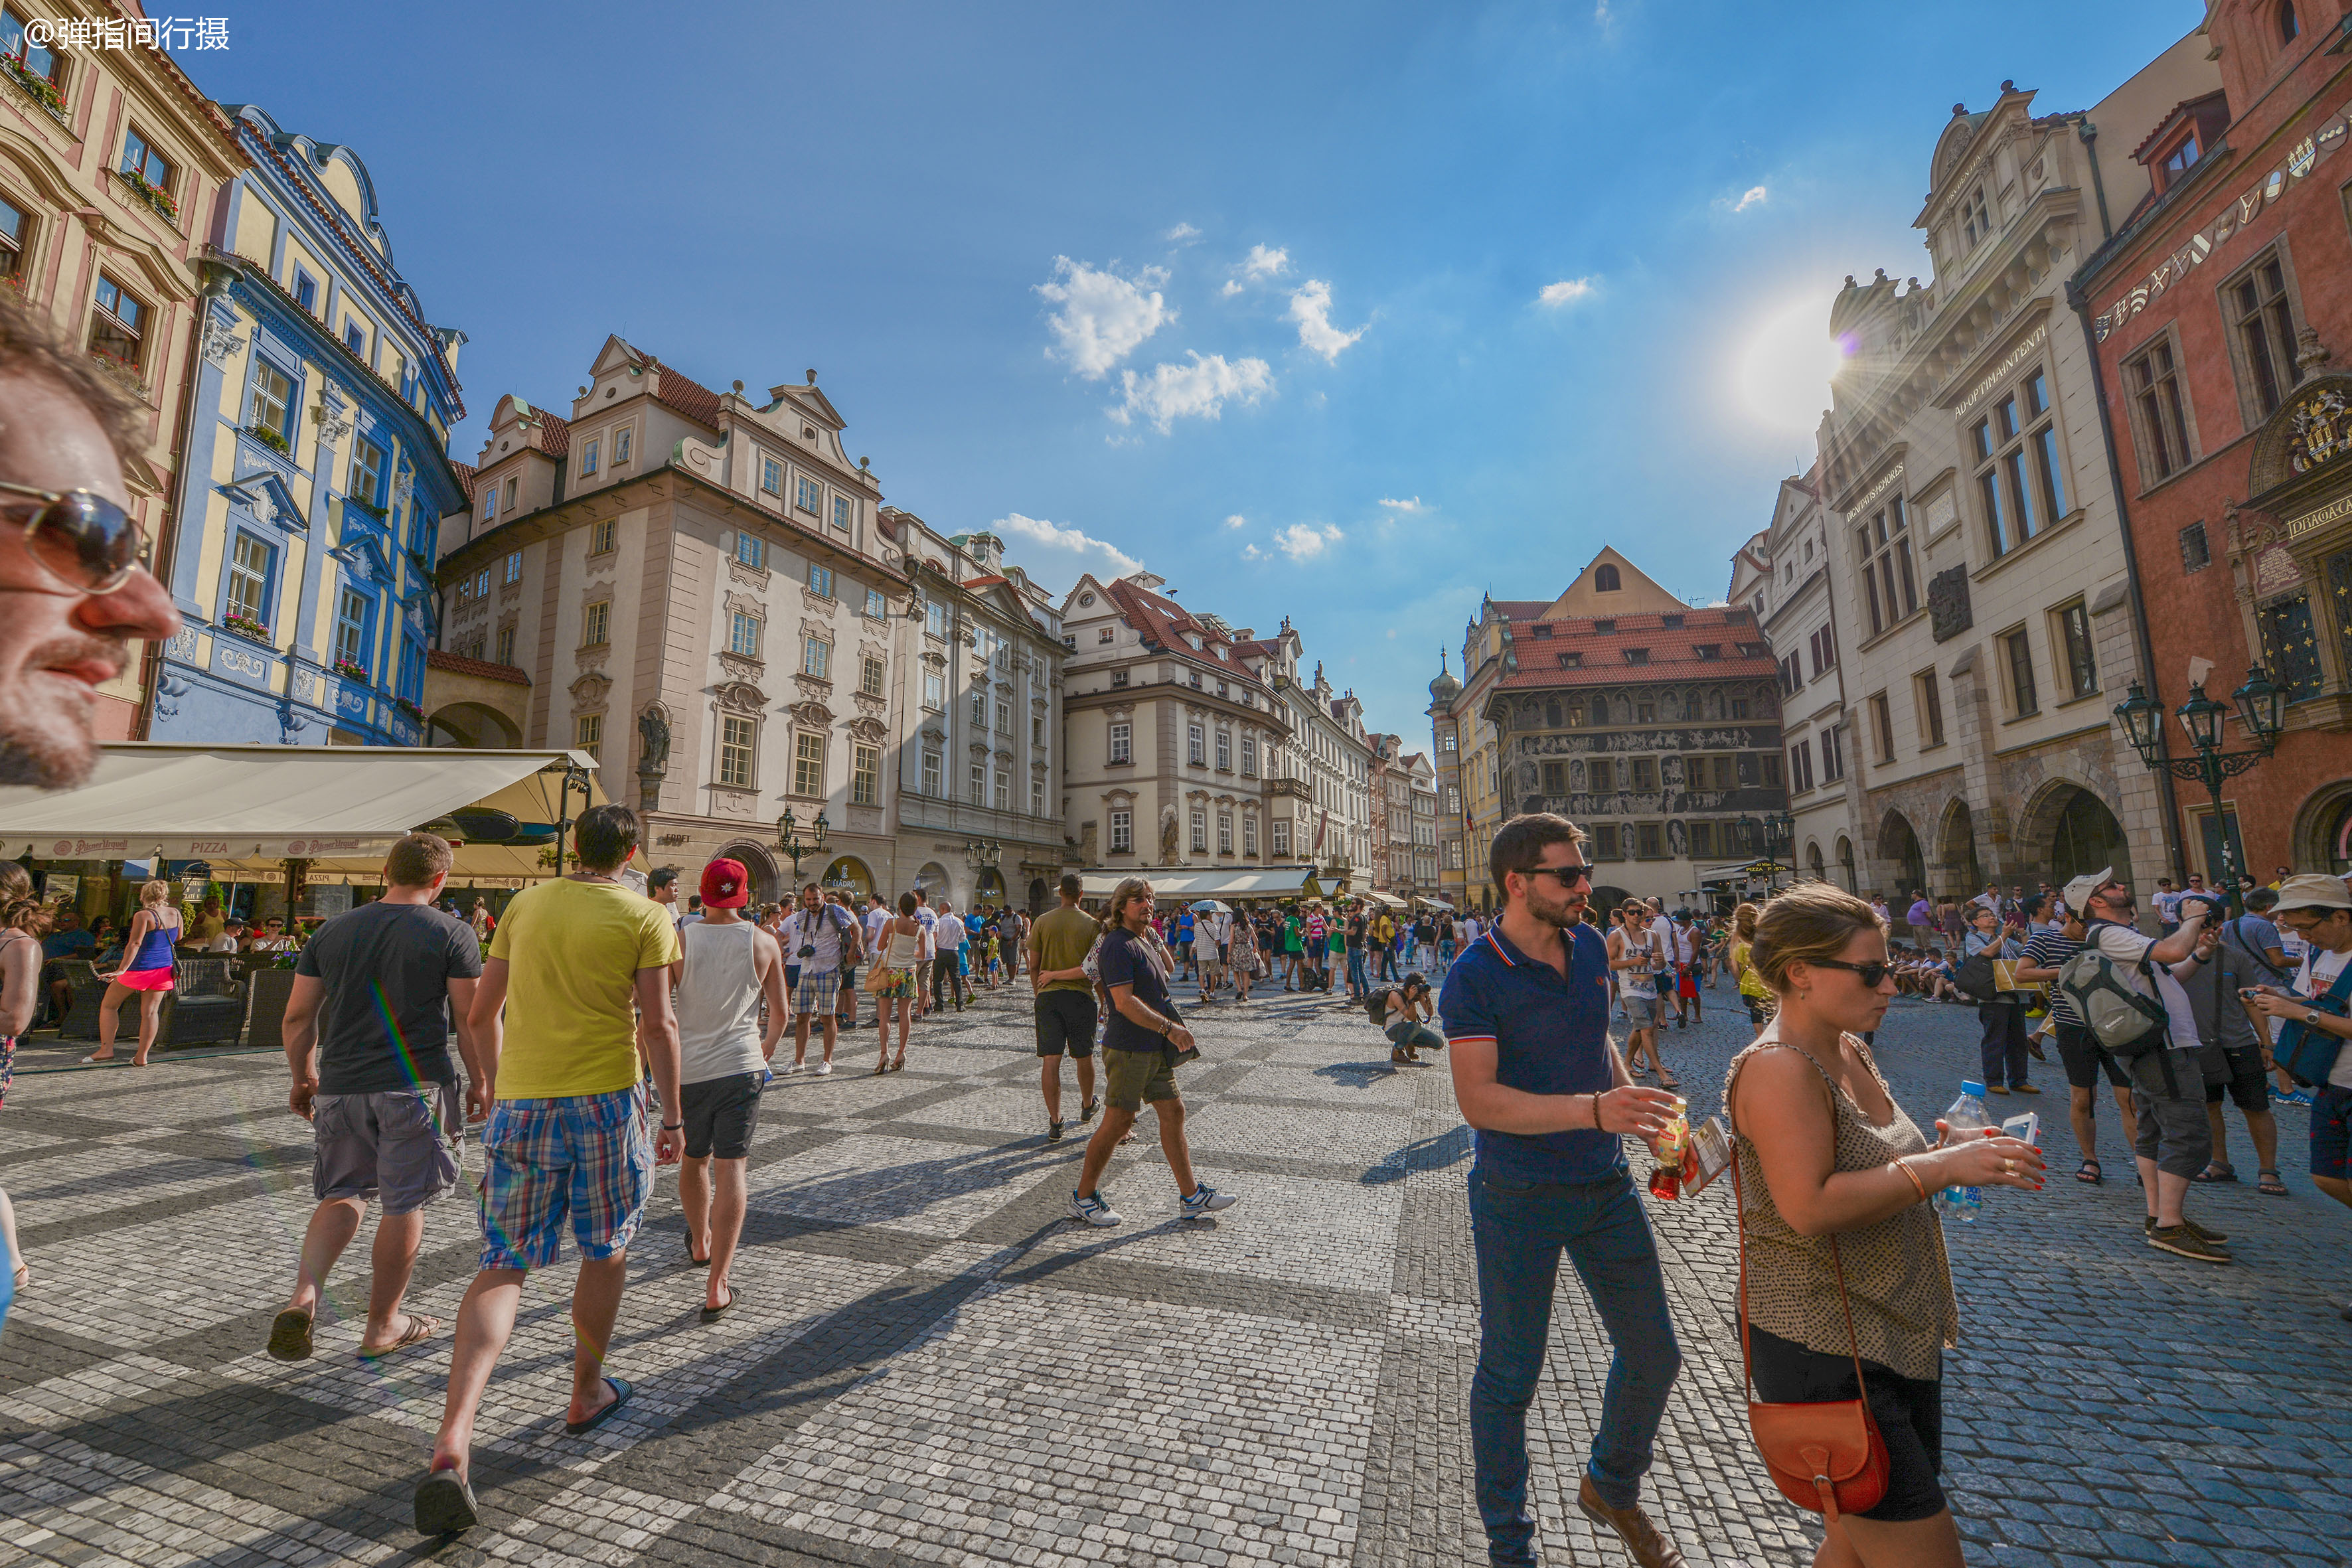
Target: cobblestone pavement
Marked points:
930	1365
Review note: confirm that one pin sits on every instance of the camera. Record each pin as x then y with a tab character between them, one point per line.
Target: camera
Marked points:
808	950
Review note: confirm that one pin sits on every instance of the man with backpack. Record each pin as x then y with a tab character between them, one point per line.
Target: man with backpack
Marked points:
1402	1012
2128	986
2311	1042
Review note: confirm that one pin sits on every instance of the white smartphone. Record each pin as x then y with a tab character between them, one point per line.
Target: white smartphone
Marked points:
2025	1128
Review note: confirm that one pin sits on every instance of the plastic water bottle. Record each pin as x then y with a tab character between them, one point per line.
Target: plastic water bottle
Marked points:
1966	1117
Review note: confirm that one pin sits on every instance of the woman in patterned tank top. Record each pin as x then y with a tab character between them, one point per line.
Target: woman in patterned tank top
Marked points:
1835	1178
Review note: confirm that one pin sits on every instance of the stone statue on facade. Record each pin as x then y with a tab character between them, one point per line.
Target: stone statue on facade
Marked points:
1168	839
652	728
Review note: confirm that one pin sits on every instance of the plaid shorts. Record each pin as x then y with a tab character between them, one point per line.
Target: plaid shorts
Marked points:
589	1156
817	991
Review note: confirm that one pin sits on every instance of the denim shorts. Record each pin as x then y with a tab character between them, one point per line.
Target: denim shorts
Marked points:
588	1158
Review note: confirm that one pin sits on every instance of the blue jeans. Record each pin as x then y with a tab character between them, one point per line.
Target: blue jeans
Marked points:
1356	970
1519	1232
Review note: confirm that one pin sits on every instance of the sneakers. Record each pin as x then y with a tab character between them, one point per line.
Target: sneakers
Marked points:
2215	1237
1205	1201
1093	1210
1088	1113
1054	1132
1643	1542
796	1068
2184	1242
822	1069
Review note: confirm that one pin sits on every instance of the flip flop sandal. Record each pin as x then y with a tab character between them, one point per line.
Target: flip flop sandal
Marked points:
713	1314
445	1504
2215	1174
694	1262
2089	1172
621	1392
2271	1185
418	1331
289	1335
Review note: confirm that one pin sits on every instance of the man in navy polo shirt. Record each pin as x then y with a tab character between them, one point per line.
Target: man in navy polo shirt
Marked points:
1534	1072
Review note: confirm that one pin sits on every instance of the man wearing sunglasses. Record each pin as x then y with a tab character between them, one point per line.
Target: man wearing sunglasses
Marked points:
73	594
1534	1072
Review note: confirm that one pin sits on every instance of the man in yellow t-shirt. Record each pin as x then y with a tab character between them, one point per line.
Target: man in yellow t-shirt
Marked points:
585	962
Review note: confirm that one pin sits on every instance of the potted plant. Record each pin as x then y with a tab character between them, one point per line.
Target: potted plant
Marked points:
269	438
350	672
411	709
39	86
246	627
376	512
152	195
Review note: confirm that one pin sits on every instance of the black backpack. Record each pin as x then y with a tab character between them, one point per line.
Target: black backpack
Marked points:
1376	1005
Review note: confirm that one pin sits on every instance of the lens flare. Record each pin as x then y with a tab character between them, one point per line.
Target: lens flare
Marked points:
1785	369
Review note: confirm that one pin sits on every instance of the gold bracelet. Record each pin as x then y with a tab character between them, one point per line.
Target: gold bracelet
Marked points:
1915	1178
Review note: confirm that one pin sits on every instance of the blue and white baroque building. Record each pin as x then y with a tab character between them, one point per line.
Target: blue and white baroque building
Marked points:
316	472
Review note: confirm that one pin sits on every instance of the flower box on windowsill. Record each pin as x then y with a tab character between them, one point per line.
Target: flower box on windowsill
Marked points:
39	88
270	438
245	627
153	195
122	370
411	709
356	504
351	672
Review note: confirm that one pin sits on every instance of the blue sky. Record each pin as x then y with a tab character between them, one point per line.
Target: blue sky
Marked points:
1349	312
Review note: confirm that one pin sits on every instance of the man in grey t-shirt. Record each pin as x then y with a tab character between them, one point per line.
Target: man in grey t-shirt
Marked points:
367	1039
2235	1055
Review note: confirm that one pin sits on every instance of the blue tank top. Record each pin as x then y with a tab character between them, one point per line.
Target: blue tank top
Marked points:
155	951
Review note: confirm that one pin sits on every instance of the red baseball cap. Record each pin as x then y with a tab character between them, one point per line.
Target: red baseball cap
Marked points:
725	885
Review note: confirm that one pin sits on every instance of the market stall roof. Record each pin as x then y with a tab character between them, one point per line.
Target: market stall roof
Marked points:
1234	882
1390	900
244	809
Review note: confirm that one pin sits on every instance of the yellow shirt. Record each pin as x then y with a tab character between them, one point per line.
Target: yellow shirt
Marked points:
573	950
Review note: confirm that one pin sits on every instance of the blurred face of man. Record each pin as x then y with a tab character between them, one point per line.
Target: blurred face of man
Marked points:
57	643
809	899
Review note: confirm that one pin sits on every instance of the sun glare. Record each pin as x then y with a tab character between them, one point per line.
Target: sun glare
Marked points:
1785	368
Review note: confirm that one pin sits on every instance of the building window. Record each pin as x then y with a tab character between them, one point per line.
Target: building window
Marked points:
306	291
513	487
1121	743
2180	159
1122	832
1003	717
273	402
1931	711
2290	26
2266	331
869	679
506	645
16	234
1036	797
1281	838
1195	746
1249	756
878	608
588	458
367	472
816	657
2021	479
1224	751
2159	418
1003	790
355	339
2290	648
2196	554
2081	664
980	707
931	785
743	636
1200	831
820	580
603	535
841	513
351	628
935	619
1649	841
808	764
1225	833
32	59
588	734
807	495
482	584
595	624
1883	545
249	580
144	164
1832	753
117	325
1604	579
865	775
1249	835
1882	727
1976	220
620	446
1800	765
935	689
2019	650
976	785
735	745
1645	774
772	477
751	549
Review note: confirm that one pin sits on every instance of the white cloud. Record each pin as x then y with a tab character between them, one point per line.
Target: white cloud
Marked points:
1252	552
1304	541
1103	316
1754	196
1261	263
1415	504
1567	291
1310	306
1183	234
1082	549
1236	521
1196	391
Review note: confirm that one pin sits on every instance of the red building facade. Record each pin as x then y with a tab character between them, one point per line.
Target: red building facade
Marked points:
2220	316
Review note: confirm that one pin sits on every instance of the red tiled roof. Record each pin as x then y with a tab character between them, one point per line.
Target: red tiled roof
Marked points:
555	432
1165	622
1672	651
464	472
1523	609
457	664
987	581
681	392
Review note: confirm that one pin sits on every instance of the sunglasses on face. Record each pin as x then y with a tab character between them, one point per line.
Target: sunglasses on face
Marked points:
1567	875
1870	974
79	537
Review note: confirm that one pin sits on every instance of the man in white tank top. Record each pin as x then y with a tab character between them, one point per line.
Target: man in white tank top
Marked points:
729	963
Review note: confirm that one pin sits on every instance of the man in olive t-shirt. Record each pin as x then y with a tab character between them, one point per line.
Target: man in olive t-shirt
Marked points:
1058	944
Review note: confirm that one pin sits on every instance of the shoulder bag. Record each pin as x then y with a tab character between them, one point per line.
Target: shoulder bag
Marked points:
1828	1455
2309	1053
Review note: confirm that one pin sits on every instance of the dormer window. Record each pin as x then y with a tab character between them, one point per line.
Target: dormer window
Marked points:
1542	633
1672	623
1573	661
1637	656
1709	650
2176	162
1604	627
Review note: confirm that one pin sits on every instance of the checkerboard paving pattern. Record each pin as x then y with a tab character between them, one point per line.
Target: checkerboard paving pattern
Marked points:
930	1365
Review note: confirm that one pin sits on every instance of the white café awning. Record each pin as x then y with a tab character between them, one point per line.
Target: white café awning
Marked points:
244	809
1174	886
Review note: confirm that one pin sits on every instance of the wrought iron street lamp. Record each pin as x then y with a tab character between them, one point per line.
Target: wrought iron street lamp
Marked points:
790	842
2262	713
1774	834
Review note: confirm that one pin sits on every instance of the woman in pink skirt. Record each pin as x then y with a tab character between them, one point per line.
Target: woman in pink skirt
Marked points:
147	970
